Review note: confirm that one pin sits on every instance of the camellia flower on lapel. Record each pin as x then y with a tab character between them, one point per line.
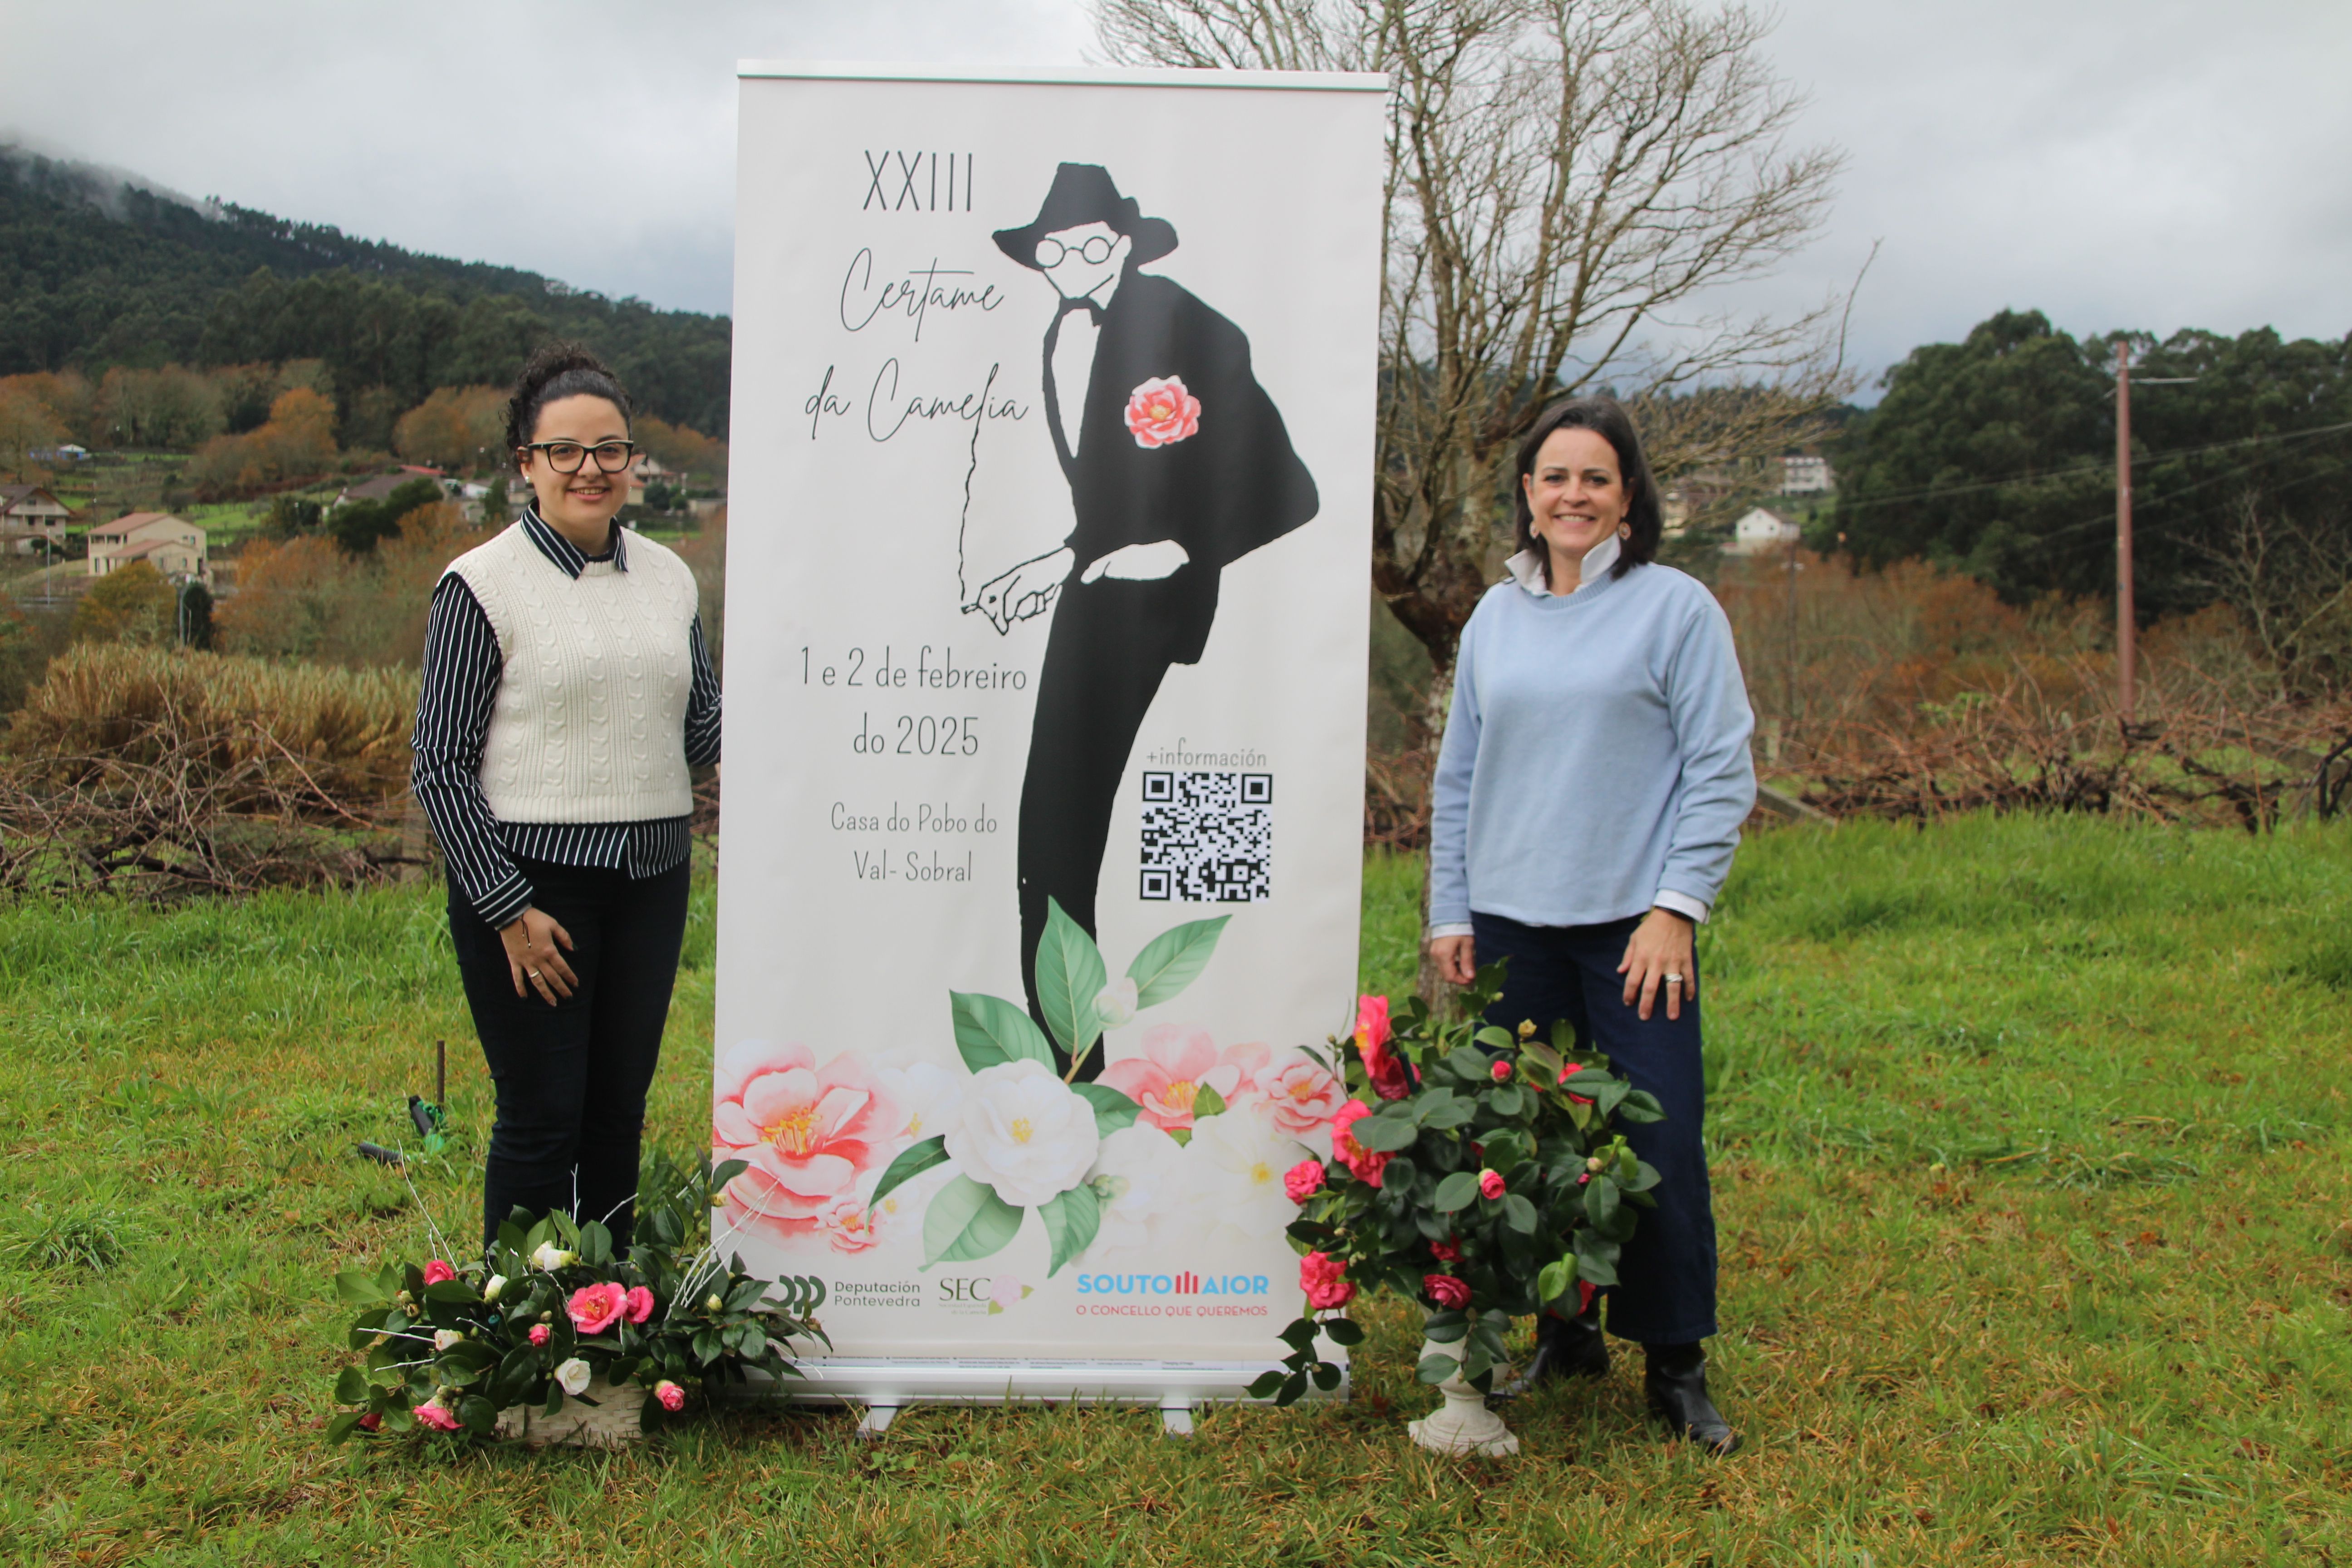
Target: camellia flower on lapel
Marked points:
1161	413
807	1132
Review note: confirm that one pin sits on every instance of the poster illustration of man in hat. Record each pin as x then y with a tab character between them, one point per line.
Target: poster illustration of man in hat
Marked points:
1178	465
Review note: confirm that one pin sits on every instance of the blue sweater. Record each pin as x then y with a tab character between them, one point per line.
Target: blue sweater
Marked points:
1596	754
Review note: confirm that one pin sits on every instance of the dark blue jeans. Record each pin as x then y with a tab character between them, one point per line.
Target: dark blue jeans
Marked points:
1666	1290
571	1078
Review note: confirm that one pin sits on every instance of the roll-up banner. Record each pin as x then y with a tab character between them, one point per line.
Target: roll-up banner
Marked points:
1044	657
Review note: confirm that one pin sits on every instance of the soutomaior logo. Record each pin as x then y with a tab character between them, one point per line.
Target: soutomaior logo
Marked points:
1181	1284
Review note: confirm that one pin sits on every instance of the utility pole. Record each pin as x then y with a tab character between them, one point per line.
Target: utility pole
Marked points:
2126	626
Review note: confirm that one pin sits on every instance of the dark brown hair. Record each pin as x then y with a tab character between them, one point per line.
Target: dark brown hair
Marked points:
556	372
1605	417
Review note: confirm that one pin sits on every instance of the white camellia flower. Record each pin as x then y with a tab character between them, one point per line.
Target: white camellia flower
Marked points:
491	1289
1024	1132
552	1258
1139	1175
572	1376
444	1338
926	1094
1114	1002
1238	1162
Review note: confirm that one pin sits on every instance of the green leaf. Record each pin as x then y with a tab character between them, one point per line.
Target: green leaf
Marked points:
1385	1133
1326	1375
1459	1190
1545	1059
1291	1387
1596	1260
341	1427
965	1221
1173	960
1263	1385
1436	1368
1519	1214
456	1290
1600	1201
1470	1066
351	1387
1113	1110
1343	1332
1069	976
1206	1102
1507	1100
991	1031
1555	1279
1444	1327
1071	1220
911	1164
353	1286
1642	1106
1500	1038
1645	1176
479	1414
727	1171
1449	1113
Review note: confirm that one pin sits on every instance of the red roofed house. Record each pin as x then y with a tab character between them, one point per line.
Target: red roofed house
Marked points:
174	546
30	514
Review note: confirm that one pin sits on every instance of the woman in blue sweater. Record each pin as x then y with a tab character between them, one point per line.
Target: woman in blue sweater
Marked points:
1589	793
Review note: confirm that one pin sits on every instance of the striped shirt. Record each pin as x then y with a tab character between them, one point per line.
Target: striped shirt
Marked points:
462	667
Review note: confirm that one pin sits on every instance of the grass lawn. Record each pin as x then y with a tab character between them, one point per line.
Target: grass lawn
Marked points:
2030	1177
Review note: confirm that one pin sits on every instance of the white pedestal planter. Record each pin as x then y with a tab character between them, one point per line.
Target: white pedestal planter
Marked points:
610	1423
1462	1425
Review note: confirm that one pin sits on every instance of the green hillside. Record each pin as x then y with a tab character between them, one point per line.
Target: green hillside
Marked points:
96	272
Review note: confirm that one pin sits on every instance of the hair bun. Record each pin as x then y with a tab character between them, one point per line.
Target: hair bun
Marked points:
556	370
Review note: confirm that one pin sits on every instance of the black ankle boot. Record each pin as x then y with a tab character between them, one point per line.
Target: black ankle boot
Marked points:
1675	1386
1565	1347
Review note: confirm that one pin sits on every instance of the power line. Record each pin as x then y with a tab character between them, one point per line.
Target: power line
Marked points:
2094	466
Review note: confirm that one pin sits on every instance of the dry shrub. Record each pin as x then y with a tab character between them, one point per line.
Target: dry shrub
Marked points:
454	427
297	443
307	598
162	773
1912	692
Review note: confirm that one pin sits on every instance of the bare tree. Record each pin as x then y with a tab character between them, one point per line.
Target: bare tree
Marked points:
1569	182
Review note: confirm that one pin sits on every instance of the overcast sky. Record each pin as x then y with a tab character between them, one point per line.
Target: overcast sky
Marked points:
2151	164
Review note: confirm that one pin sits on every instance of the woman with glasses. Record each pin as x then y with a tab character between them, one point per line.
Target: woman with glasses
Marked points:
566	691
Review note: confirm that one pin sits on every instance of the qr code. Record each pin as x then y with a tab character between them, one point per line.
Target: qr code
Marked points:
1208	837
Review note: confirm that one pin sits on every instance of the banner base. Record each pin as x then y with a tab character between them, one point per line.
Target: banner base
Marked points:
892	1383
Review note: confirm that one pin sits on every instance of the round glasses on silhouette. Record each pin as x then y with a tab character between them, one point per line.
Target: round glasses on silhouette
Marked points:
1094	252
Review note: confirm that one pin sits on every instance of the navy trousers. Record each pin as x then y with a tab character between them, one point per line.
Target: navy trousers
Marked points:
571	1078
1666	1290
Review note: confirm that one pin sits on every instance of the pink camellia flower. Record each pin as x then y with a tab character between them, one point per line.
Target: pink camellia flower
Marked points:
1302	1099
1567	1071
1490	1184
1446	1251
595	1308
637	1305
371	1422
671	1397
1584	1294
1502	1070
540	1333
1303	1181
1161	413
1382	1065
1325	1279
1177	1063
848	1226
438	1271
1361	1163
1006	1291
1446	1291
439	1416
808	1132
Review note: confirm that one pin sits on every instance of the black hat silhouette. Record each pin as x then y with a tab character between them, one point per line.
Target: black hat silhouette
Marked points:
1083	194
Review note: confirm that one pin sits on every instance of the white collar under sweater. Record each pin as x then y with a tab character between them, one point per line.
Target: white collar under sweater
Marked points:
1526	569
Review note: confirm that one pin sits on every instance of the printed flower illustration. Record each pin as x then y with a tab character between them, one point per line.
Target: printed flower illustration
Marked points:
925	1095
1005	1291
847	1225
1325	1279
1239	1162
1176	1062
1445	1290
808	1132
1161	413
1302	1098
1114	1002
1024	1132
1361	1163
1136	1177
595	1308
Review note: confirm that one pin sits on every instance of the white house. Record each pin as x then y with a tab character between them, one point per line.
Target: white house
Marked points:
1806	476
29	516
174	546
1761	532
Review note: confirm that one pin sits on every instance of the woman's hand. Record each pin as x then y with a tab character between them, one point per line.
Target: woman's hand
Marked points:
1457	958
1659	958
534	943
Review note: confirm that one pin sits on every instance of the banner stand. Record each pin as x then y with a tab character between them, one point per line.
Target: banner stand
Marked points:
884	1386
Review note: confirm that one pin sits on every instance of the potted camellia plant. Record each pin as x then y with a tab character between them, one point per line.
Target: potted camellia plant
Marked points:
555	1337
1476	1170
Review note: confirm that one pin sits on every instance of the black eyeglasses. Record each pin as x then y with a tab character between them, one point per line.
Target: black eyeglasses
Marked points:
565	456
1094	252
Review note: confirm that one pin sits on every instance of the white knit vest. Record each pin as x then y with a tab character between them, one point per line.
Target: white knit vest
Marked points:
590	721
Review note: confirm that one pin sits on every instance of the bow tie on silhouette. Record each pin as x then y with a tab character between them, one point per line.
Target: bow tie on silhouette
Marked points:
1082	302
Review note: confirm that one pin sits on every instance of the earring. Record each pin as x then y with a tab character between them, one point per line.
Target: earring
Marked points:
1624	530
